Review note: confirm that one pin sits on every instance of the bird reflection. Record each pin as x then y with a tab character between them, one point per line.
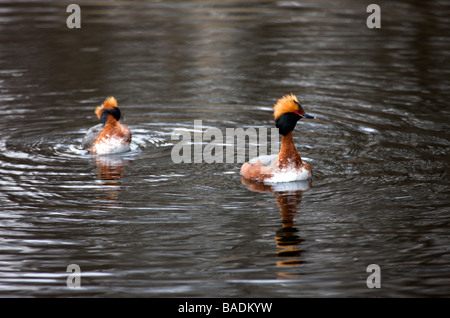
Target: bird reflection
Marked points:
110	170
288	241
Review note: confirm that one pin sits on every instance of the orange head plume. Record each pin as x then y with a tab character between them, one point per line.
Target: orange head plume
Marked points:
289	104
287	111
109	103
286	104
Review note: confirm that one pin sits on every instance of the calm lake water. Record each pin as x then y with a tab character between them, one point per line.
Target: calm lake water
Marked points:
139	225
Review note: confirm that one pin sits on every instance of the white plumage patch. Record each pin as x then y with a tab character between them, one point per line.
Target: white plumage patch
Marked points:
110	145
284	175
288	175
266	160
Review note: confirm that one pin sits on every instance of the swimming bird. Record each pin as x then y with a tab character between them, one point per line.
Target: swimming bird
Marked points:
109	136
288	164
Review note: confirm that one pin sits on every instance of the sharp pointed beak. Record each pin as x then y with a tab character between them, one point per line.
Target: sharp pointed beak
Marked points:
305	115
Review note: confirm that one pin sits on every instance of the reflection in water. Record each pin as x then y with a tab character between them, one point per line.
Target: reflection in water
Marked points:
110	171
288	197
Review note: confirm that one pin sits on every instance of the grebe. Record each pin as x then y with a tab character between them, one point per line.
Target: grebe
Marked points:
110	136
287	165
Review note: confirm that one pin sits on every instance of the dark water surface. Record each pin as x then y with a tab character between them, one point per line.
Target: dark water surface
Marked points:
139	225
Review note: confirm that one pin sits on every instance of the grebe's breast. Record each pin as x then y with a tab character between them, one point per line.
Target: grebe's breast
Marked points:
107	139
290	174
266	169
114	138
114	144
91	135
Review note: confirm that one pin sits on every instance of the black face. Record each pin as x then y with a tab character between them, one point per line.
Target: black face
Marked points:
286	122
110	111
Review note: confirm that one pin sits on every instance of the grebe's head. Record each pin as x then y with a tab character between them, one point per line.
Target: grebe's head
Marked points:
286	112
109	107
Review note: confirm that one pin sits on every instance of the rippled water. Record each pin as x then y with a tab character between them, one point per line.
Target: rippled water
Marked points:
139	225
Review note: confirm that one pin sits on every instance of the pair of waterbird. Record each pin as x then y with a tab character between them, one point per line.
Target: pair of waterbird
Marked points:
111	136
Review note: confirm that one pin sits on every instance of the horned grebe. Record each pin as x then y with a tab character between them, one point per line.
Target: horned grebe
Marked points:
110	136
287	165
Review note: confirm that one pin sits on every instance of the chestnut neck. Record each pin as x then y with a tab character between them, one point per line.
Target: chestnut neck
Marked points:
288	152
